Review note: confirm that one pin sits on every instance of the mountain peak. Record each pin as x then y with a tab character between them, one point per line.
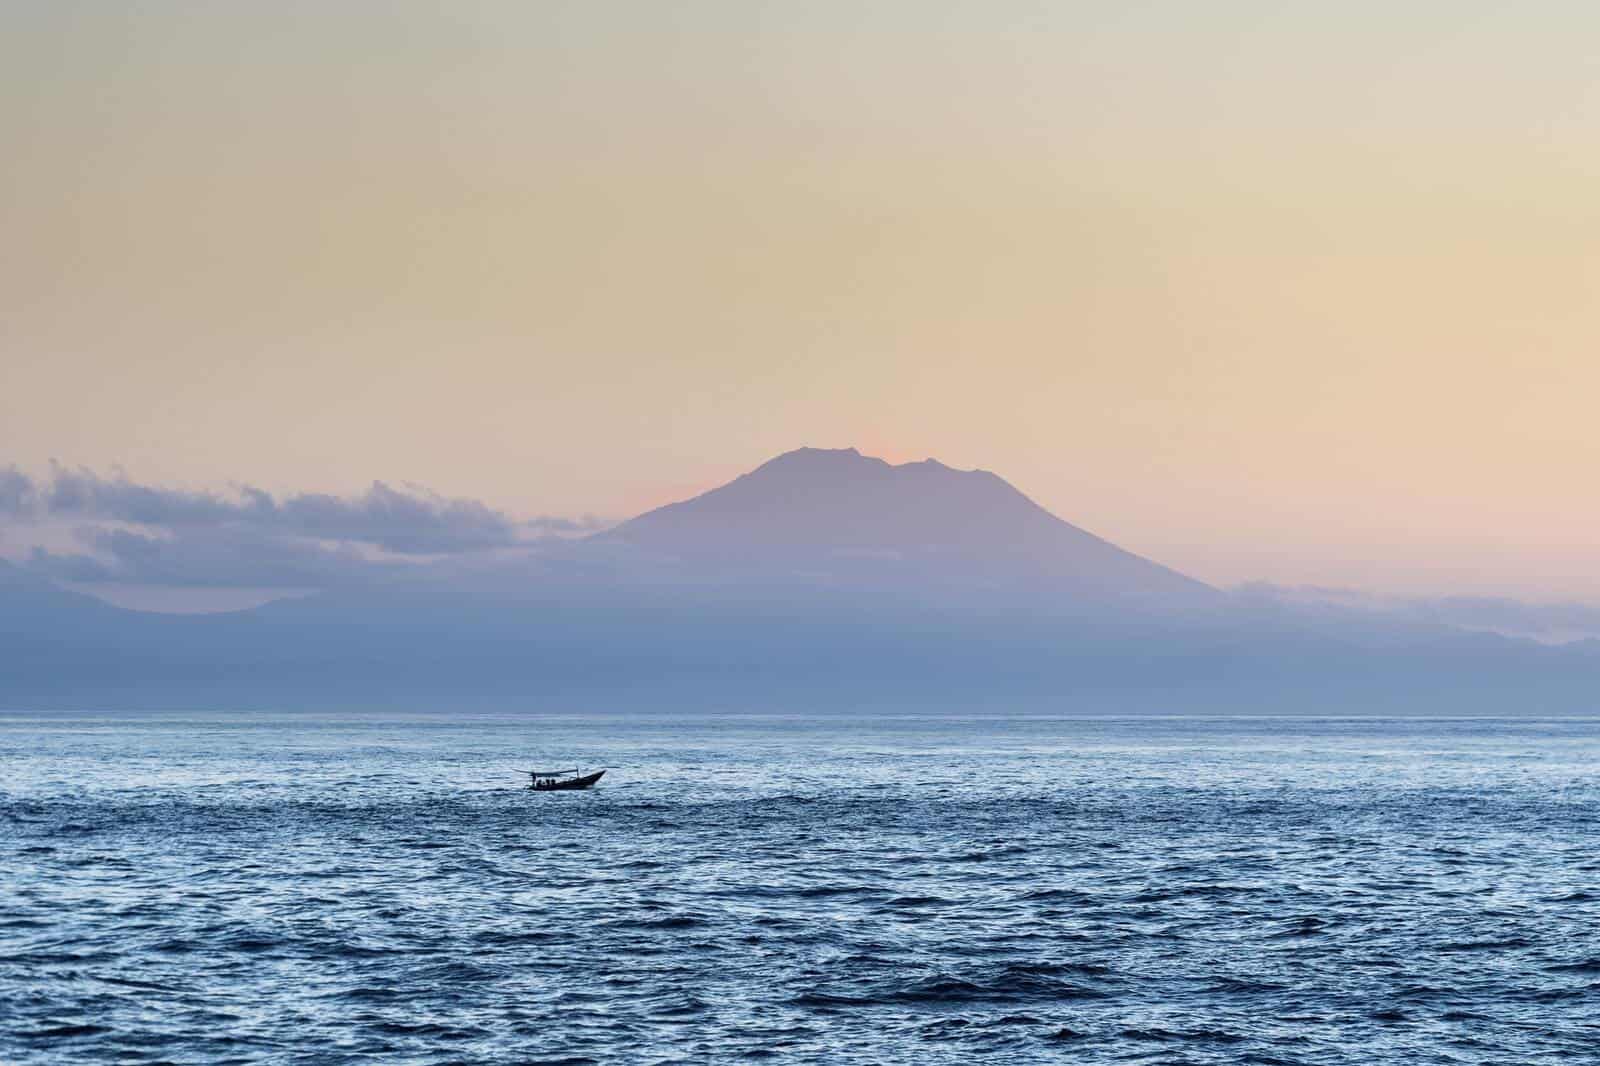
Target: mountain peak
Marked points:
820	457
847	458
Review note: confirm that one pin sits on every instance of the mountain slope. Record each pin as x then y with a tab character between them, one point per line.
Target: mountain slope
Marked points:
843	517
802	586
28	602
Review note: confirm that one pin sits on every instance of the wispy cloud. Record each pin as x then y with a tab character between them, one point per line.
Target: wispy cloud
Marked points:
18	495
409	520
557	526
1547	622
124	530
213	556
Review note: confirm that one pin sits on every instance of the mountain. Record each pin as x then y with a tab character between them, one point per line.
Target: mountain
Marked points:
28	602
839	517
823	581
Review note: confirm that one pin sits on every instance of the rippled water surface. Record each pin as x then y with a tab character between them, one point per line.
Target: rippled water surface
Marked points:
246	888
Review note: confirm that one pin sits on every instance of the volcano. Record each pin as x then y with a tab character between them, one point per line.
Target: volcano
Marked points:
839	517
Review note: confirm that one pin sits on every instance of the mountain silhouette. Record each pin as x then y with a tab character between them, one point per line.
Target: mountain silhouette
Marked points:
30	601
842	517
821	581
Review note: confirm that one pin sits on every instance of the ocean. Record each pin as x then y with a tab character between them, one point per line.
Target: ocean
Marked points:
249	888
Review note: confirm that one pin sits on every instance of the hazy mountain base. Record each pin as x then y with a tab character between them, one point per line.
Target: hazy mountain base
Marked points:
823	581
665	649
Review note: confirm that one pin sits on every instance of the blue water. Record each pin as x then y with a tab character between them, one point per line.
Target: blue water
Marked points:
241	888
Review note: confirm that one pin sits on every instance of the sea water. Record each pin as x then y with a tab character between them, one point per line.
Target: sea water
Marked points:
252	888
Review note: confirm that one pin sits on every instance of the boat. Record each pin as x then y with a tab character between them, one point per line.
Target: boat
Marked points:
561	780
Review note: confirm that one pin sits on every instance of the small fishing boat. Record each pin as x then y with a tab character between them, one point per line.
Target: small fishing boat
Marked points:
561	780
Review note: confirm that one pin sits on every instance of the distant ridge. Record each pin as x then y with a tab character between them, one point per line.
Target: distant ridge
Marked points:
835	514
821	582
30	599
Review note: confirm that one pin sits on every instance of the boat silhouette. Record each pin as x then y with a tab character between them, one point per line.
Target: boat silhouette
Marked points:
561	780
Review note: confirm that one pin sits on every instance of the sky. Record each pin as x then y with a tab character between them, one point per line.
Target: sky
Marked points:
1304	293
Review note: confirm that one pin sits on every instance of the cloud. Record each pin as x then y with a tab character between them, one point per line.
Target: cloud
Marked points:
418	522
1547	622
557	526
1543	621
213	556
18	496
411	520
84	494
62	566
126	531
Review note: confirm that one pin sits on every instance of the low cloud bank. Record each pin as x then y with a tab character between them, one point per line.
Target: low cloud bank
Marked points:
125	531
213	557
1551	623
411	520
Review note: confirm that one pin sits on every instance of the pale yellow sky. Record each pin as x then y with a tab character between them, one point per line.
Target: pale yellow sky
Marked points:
1302	292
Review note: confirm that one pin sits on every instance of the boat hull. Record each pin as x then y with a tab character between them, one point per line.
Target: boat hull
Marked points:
570	785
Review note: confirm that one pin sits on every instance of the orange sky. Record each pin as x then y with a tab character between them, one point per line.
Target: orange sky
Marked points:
1298	292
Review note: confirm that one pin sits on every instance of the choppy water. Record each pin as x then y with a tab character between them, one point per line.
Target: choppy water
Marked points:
249	889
